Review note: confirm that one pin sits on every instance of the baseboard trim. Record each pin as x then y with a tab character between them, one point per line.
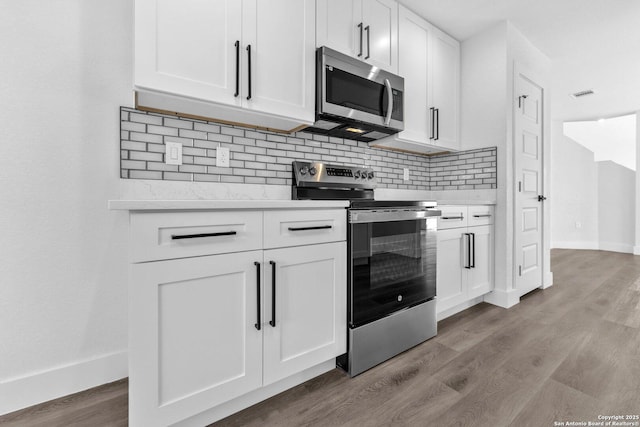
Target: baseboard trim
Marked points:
616	247
501	298
548	280
636	250
239	403
22	392
594	246
458	308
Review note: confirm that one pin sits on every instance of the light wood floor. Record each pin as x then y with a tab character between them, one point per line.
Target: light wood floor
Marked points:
568	353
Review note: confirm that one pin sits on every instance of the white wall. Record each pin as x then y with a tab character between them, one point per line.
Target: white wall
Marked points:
616	207
488	61
574	176
65	70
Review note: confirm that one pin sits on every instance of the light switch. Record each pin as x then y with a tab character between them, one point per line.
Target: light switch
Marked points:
173	154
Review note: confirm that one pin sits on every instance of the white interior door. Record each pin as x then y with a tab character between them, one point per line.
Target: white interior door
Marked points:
528	172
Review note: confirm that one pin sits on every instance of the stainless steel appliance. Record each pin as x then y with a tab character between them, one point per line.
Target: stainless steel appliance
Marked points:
356	100
392	252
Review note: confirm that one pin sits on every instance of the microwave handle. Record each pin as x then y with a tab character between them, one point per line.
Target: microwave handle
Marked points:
387	119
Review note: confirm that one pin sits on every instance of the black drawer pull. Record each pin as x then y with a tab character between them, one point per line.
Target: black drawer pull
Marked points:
196	236
482	216
453	217
319	227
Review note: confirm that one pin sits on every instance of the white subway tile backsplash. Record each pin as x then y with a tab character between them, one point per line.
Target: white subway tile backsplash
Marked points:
263	157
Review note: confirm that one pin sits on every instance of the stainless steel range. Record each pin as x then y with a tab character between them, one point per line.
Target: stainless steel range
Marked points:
391	263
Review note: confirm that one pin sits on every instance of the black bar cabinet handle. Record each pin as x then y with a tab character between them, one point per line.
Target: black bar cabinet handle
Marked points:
360	27
454	217
237	68
468	238
272	322
367	29
319	227
196	236
482	215
249	67
433	122
437	124
473	245
258	321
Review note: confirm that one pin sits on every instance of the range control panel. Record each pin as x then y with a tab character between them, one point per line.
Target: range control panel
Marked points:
317	174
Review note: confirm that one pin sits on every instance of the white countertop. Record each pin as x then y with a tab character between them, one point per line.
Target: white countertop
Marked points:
144	195
154	205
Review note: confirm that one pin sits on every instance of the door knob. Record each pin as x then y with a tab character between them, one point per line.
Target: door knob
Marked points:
541	198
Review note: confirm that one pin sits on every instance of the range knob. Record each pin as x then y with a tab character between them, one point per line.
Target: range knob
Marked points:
312	171
356	175
370	175
304	170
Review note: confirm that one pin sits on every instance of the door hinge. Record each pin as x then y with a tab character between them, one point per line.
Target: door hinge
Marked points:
520	186
520	270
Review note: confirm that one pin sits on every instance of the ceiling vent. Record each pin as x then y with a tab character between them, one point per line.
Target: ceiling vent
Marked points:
582	93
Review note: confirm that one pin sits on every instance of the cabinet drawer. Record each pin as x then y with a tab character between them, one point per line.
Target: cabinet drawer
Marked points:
452	217
480	215
303	227
166	235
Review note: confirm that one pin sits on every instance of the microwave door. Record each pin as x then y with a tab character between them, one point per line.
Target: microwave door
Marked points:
349	95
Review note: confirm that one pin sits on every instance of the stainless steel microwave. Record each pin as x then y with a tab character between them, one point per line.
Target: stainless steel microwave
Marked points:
356	100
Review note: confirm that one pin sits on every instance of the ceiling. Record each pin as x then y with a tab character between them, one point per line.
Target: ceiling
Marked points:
593	44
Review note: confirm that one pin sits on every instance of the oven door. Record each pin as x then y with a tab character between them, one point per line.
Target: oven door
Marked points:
356	90
392	264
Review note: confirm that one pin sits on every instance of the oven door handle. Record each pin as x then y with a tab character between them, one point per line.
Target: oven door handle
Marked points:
365	216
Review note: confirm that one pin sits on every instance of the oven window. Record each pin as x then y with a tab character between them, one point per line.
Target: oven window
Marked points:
390	269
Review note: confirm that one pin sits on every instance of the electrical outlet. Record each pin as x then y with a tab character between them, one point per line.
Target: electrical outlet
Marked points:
405	175
222	157
173	153
578	224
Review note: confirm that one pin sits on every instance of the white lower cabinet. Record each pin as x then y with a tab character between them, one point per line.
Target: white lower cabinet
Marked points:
192	340
207	329
465	255
309	321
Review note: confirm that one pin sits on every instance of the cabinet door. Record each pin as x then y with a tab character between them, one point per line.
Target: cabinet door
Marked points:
281	34
413	65
451	275
192	339
380	34
445	88
187	47
481	276
337	26
310	308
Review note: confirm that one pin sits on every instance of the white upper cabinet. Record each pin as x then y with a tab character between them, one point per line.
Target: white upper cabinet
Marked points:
282	39
413	65
429	61
254	57
364	29
187	47
445	89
